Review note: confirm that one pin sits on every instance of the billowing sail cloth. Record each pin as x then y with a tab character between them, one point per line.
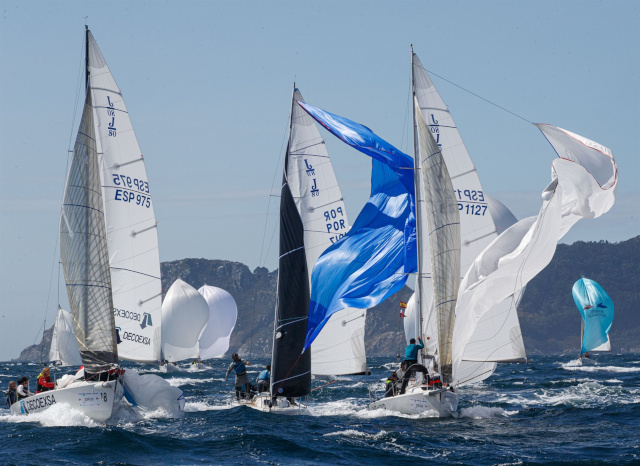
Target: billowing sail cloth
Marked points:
584	178
131	225
223	313
339	348
184	314
442	223
477	228
83	252
370	262
596	309
64	345
290	370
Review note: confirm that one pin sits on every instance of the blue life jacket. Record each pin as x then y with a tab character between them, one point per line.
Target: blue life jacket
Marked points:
265	375
412	351
239	367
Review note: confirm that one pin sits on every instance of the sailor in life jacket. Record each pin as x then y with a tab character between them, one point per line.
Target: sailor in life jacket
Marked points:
44	381
264	379
242	380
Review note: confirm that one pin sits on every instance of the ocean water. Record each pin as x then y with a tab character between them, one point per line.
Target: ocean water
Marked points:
551	411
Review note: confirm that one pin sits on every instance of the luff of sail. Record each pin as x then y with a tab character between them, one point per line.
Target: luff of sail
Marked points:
339	347
291	370
83	252
131	225
443	224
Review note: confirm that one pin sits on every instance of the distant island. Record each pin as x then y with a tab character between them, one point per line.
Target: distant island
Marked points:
549	319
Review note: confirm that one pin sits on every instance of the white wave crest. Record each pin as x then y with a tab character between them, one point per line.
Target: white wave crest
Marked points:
180	381
485	412
198	406
352	433
57	415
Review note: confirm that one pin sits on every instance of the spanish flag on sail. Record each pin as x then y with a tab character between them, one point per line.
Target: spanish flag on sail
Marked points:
403	306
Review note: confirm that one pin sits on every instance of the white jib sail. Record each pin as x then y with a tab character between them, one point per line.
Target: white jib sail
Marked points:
339	348
223	313
64	346
443	224
185	312
131	224
583	184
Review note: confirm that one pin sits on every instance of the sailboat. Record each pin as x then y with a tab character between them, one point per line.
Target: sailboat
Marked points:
310	207
109	254
185	314
64	346
596	310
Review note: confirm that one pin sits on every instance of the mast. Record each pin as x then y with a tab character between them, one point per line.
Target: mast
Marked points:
416	179
86	56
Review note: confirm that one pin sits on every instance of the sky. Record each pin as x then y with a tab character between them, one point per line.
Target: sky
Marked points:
208	88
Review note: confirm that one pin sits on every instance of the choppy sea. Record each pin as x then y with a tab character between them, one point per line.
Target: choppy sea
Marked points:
551	411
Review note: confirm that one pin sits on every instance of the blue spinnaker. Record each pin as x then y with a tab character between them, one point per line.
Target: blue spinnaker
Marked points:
596	309
371	262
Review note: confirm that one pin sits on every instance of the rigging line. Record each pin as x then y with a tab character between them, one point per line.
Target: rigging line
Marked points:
478	96
321	386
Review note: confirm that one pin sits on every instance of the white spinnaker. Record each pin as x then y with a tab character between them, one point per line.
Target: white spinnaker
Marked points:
223	313
503	219
443	225
64	345
83	252
339	348
131	224
185	313
583	184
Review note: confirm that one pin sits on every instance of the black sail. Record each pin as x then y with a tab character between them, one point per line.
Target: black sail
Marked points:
291	371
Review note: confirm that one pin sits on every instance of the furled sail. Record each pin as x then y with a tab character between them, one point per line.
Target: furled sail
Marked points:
131	225
184	314
223	313
291	370
64	346
443	224
83	252
339	347
584	178
370	263
596	309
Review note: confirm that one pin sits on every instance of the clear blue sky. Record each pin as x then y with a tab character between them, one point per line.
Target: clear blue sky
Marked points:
208	87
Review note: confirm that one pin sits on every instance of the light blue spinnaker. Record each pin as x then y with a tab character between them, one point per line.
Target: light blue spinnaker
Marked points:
372	261
596	309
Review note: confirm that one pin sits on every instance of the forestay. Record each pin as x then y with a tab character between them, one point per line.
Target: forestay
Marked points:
64	346
223	313
83	252
596	309
130	220
184	314
339	348
583	185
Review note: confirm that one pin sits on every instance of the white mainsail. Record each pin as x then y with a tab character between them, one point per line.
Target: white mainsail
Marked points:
223	313
339	348
83	252
584	178
185	313
130	220
64	345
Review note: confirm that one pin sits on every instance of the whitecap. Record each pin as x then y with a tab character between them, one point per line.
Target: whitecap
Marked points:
484	412
352	433
57	415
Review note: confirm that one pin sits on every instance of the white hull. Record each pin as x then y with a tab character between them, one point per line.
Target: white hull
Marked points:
93	399
169	368
417	401
262	402
588	361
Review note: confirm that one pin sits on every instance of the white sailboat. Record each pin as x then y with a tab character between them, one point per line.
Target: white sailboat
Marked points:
109	253
64	345
185	314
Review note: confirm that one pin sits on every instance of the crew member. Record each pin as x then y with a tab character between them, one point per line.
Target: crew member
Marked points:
242	380
264	379
23	388
12	394
44	381
411	352
392	385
